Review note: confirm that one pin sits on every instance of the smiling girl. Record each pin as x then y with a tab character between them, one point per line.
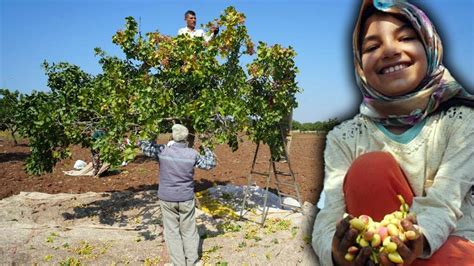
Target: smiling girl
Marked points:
414	136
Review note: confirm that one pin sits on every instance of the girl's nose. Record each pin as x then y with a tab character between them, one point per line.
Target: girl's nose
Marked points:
390	49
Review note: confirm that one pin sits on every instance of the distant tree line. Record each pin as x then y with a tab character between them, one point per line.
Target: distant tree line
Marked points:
323	126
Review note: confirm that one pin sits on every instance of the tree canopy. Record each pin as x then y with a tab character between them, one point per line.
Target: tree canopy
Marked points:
162	80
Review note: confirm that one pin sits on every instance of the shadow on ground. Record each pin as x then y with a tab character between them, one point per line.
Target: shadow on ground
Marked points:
123	209
14	156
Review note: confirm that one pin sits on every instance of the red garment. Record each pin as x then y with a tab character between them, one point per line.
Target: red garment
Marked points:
371	186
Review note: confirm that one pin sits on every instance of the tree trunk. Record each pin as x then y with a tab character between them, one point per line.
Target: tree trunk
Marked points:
96	163
191	137
13	136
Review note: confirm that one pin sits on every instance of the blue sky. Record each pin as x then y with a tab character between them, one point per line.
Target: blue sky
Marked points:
68	30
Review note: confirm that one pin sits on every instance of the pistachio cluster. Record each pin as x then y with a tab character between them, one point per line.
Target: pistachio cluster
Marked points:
379	235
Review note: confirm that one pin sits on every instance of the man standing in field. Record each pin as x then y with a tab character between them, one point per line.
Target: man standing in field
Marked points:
190	18
176	193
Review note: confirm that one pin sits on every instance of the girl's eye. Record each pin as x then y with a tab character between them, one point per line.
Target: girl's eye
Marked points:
407	38
370	48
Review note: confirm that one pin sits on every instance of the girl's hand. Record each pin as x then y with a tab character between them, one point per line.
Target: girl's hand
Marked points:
409	250
342	240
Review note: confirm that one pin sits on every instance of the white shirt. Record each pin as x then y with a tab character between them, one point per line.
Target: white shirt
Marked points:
438	163
195	33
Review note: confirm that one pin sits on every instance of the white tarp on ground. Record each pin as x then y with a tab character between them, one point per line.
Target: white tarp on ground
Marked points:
233	195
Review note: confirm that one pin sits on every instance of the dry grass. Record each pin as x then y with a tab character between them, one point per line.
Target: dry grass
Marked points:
7	136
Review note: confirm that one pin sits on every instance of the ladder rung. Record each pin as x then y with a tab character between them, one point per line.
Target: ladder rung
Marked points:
286	184
285	194
289	205
283	173
259	173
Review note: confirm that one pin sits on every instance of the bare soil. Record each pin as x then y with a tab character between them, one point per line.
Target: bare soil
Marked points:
306	157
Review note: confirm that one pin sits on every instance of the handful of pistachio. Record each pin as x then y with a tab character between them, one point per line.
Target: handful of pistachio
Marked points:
378	235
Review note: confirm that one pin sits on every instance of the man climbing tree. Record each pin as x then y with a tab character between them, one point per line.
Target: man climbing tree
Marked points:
190	29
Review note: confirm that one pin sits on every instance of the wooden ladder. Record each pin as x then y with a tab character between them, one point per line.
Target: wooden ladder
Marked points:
283	178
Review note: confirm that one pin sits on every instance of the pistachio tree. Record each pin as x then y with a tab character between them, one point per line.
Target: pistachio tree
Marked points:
163	80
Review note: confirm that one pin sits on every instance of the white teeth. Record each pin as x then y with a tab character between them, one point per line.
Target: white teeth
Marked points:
394	68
